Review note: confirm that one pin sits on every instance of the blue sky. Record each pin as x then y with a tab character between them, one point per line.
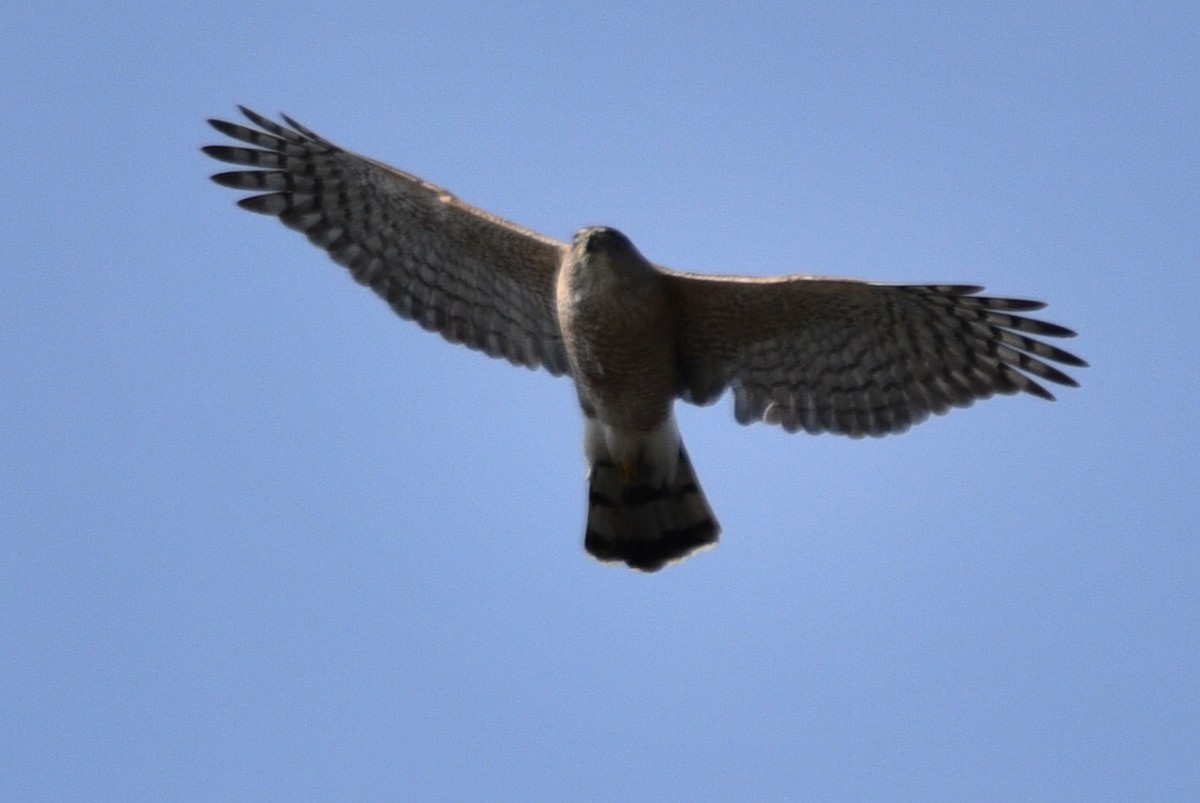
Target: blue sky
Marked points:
261	539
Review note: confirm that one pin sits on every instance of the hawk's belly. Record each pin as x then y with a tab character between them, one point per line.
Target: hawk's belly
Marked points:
622	352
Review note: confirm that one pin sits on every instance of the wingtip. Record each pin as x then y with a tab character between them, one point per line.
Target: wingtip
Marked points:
233	179
1038	390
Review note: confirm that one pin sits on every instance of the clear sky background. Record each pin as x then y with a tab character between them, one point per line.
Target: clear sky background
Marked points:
262	539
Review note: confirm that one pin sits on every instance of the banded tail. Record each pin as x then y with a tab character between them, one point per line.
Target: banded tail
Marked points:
647	522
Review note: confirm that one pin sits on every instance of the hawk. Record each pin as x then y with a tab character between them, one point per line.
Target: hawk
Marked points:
803	352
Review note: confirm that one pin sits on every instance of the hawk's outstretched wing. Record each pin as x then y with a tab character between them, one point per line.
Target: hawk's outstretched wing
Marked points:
454	269
855	358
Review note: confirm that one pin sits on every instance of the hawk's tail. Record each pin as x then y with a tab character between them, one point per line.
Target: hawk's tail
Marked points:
647	524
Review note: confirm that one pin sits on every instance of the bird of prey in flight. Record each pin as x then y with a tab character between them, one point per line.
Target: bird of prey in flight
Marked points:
802	352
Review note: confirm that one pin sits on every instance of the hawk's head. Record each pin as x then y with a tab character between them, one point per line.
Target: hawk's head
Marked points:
606	250
602	240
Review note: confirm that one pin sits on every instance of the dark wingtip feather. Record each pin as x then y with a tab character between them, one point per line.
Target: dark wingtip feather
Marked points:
1014	304
234	130
1051	329
302	129
253	116
1035	389
1056	376
274	203
1067	358
234	154
233	179
953	289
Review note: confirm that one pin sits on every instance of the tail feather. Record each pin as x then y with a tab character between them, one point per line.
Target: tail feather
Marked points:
643	523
